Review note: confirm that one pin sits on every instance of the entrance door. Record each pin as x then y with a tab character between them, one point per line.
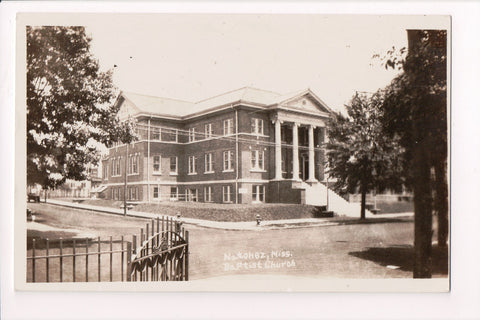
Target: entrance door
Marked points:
304	167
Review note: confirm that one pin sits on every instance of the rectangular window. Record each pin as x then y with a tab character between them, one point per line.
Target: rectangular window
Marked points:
169	135
227	127
208	131
157	161
173	193
227	193
156	193
257	160
258	193
284	163
133	164
257	126
228	162
173	165
192	195
207	194
132	193
209	162
192	165
116	167
191	134
156	134
105	171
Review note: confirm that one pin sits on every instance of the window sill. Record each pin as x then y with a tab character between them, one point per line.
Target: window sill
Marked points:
192	174
132	174
157	173
258	170
229	170
173	173
209	172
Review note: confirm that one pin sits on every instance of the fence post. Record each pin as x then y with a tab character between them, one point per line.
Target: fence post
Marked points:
73	261
123	255
33	260
99	260
186	255
134	238
86	260
158	231
172	262
146	251
47	260
141	251
61	260
152	269
111	259
129	260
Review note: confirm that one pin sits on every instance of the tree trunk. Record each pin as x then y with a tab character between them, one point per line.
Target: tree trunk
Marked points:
362	206
441	201
422	194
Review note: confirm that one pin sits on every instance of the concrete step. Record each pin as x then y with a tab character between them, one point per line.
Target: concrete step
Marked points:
316	195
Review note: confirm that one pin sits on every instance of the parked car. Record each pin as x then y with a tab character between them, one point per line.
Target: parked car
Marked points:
33	196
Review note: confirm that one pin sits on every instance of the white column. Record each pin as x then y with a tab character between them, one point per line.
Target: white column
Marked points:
278	150
311	156
295	152
148	162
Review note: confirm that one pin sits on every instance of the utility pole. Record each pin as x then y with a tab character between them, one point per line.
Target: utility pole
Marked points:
125	186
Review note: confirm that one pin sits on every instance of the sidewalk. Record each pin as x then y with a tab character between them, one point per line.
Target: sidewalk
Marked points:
244	225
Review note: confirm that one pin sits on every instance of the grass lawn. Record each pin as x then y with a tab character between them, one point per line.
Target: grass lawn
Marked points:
216	211
237	212
395	206
367	250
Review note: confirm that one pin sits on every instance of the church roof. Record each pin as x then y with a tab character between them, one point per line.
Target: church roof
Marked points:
179	109
159	105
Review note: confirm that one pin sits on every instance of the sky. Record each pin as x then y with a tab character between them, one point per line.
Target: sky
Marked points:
193	57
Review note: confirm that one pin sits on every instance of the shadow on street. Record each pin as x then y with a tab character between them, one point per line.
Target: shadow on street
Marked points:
403	257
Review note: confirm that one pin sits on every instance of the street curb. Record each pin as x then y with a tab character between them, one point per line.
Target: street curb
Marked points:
236	226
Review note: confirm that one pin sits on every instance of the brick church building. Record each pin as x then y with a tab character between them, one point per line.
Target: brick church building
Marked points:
244	146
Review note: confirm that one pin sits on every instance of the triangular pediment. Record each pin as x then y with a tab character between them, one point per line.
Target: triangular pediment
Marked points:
306	103
127	108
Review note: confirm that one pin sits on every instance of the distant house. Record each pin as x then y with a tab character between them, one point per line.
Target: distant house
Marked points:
79	189
244	146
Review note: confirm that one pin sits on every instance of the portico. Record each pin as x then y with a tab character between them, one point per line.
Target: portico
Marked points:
299	150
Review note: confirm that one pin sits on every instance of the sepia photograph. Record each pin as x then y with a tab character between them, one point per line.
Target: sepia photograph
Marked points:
233	161
258	152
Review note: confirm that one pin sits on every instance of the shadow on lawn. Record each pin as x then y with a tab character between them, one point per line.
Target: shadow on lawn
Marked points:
403	257
54	236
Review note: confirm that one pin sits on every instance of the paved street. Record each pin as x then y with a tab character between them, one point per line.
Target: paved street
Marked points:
370	250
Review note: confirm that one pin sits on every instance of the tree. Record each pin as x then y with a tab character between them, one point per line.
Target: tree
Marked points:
415	110
70	110
360	156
